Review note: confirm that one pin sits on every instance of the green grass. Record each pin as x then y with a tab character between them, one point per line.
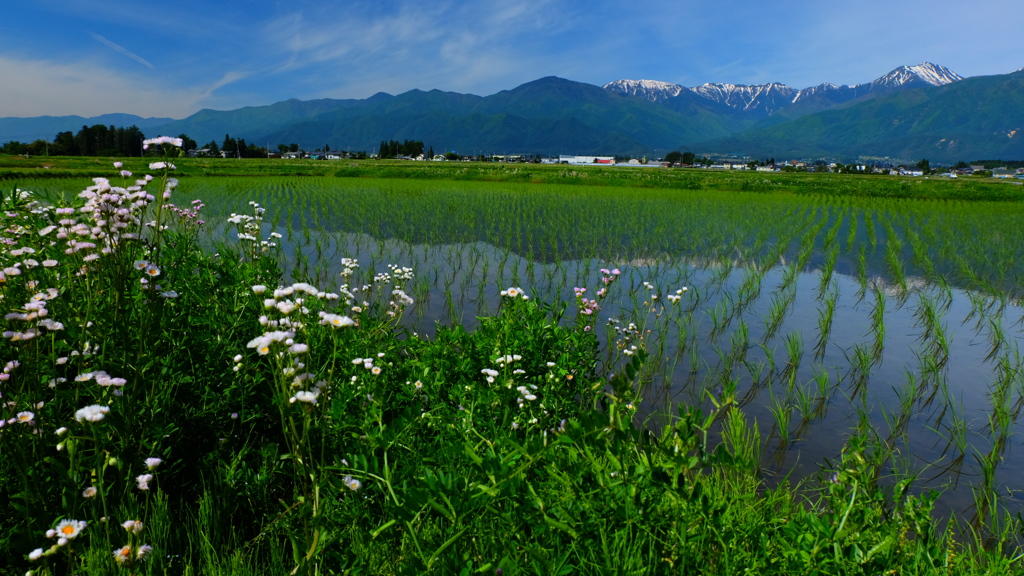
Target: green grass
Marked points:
509	435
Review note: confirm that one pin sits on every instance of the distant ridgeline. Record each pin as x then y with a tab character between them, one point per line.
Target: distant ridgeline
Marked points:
913	112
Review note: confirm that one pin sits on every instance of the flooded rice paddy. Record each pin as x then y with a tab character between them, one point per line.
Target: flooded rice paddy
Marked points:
824	318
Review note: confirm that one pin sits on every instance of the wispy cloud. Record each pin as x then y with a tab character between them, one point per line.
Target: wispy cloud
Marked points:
226	79
122	50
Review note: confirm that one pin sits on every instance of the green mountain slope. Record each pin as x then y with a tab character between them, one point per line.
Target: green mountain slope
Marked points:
251	121
550	115
981	117
471	134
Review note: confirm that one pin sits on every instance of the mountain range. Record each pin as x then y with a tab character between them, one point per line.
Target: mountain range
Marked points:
910	113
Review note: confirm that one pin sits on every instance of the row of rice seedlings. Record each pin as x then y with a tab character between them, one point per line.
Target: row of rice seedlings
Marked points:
830	245
829	268
921	253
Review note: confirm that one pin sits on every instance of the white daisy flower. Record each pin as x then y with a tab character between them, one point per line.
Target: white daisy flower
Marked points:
93	413
70	528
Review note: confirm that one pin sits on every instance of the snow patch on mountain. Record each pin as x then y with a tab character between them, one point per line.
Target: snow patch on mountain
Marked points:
743	97
768	98
653	90
825	88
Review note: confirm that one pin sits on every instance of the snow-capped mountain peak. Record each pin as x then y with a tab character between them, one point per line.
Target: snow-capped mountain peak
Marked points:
653	90
927	72
766	99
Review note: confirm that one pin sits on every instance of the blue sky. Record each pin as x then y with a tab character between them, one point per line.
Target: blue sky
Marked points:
171	59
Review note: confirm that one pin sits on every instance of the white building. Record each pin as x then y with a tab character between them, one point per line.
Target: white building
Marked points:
586	160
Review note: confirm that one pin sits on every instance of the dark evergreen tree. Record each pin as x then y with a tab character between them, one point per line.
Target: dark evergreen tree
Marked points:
64	143
187	143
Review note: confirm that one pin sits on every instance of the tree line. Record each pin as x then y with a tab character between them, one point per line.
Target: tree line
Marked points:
98	140
119	141
396	149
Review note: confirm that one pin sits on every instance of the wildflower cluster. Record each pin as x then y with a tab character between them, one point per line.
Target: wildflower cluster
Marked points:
67	530
70	290
528	381
63	533
250	228
132	553
629	339
116	213
34	312
289	317
588	307
654	296
675	298
189	217
395	278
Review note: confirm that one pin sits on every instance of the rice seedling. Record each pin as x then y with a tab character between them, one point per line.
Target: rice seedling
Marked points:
878	326
805	403
825	316
794	351
996	337
782	411
775	315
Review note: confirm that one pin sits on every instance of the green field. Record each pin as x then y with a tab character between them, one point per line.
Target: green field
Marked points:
815	354
13	168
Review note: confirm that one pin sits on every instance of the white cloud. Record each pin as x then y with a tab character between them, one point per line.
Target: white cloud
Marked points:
81	88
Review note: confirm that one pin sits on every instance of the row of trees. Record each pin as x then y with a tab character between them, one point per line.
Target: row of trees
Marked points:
396	149
98	140
677	157
236	148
